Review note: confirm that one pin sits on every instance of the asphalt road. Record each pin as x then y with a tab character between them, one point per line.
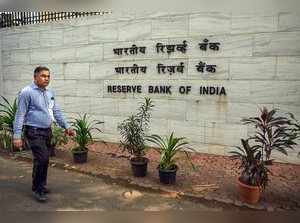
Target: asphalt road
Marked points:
74	191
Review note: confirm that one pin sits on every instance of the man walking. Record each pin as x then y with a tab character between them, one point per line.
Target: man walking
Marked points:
37	109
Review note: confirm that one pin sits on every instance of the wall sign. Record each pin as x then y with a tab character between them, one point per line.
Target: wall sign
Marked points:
166	89
161	68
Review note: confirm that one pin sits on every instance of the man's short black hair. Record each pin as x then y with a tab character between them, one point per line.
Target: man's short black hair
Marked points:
39	69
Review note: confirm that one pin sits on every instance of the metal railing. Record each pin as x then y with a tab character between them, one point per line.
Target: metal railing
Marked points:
9	19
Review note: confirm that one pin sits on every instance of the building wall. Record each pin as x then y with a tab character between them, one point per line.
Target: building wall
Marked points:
258	64
1	75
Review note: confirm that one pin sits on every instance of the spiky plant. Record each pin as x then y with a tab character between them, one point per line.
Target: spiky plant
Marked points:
295	127
7	117
7	114
6	140
254	168
168	147
58	136
84	129
133	129
272	132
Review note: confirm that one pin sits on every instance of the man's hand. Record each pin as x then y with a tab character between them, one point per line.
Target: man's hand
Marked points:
18	143
70	132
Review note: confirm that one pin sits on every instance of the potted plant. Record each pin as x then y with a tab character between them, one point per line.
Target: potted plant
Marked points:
5	139
133	132
254	174
273	133
83	128
168	149
7	117
58	138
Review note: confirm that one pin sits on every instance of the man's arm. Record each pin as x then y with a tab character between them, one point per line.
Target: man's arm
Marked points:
59	117
23	103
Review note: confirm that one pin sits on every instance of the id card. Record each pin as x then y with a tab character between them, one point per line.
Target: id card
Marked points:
50	108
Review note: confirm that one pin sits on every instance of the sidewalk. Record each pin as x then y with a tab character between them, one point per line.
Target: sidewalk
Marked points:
214	178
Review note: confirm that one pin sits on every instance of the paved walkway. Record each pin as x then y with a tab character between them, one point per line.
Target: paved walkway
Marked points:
214	179
76	191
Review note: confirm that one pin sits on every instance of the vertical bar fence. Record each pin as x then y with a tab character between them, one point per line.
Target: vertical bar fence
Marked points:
9	19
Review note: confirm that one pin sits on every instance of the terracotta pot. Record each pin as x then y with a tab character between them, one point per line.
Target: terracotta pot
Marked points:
249	194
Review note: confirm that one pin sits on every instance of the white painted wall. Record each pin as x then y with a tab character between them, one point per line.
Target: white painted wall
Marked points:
259	64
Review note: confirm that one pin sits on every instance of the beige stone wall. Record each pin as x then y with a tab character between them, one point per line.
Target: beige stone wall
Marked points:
258	64
1	75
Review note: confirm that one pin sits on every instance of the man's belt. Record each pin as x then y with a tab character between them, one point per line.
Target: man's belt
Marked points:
36	128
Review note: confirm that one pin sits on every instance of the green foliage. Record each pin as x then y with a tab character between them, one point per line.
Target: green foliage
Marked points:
168	148
5	140
273	133
7	117
133	129
255	172
7	114
84	129
295	126
58	136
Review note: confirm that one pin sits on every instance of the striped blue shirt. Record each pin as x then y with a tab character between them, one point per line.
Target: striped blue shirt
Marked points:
37	107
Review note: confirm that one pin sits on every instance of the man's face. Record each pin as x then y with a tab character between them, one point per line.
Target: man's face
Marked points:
42	78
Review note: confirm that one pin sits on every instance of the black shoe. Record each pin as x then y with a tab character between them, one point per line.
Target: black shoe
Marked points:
46	190
40	196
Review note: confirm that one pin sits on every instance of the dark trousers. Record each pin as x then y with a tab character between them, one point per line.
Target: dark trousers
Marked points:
39	141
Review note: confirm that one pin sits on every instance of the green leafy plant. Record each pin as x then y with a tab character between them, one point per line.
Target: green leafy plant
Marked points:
254	169
84	129
58	136
273	133
7	117
133	129
7	114
168	148
295	127
295	123
5	140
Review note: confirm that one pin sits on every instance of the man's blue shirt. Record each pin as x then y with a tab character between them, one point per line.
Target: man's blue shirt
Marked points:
35	108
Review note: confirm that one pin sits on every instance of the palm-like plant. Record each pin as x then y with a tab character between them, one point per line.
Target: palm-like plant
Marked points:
255	171
7	114
58	136
133	129
295	127
84	128
168	148
7	117
272	132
